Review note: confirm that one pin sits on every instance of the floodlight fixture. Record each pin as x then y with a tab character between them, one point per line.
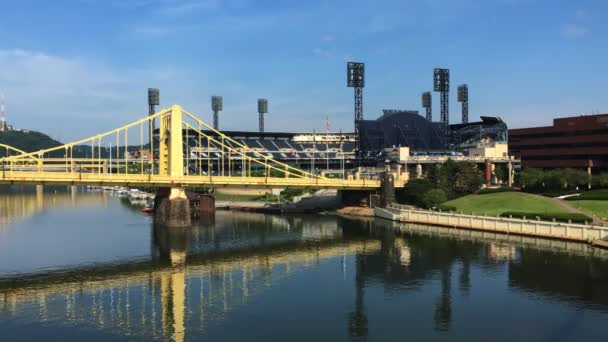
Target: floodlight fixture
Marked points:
216	107
463	97
463	93
153	101
355	78
216	103
441	79
355	74
262	109
153	97
426	104
441	84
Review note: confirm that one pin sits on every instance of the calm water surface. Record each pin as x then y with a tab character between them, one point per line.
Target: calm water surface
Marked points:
92	267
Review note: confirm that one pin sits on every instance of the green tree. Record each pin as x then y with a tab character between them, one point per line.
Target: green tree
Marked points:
532	179
468	178
414	191
554	180
600	181
501	171
433	175
575	178
434	197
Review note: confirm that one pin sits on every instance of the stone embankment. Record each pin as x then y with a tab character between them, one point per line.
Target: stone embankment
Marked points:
596	235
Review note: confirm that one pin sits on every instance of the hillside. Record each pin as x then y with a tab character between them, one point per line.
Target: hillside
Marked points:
29	142
498	203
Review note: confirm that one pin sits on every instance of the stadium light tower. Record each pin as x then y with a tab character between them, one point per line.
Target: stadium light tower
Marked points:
426	104
355	78
216	107
463	97
153	101
441	84
262	109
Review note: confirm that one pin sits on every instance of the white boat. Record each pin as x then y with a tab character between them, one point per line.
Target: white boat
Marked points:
122	192
136	194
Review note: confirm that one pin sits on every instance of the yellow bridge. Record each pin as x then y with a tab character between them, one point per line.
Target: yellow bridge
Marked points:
170	164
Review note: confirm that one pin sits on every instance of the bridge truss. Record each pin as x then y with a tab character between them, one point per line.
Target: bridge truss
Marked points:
126	156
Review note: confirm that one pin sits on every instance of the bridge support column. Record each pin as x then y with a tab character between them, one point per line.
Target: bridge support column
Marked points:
510	170
488	173
172	208
387	189
418	171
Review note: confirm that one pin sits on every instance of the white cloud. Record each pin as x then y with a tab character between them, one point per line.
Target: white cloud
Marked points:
322	52
328	38
77	97
582	15
380	23
153	31
188	7
575	31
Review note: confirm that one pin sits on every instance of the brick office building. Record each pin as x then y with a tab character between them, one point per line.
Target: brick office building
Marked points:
574	142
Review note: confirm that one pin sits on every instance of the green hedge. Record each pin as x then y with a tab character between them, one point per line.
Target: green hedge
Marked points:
591	195
494	190
560	217
447	207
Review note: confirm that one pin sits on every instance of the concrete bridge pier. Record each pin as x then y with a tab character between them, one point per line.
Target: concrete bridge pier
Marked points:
488	173
418	171
510	170
387	189
172	207
381	197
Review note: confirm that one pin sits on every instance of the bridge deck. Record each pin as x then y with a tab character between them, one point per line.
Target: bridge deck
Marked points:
74	178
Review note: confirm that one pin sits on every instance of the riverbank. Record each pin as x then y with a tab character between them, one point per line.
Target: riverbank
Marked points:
596	235
291	208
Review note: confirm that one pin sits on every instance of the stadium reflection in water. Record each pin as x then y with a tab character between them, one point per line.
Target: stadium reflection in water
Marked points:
250	276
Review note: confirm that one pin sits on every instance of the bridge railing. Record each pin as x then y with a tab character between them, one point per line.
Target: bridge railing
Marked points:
251	160
127	155
109	152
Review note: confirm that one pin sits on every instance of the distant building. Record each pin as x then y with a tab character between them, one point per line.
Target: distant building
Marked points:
139	155
307	151
409	129
571	142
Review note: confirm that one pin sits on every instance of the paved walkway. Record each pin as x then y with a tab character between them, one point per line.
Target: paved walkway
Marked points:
571	208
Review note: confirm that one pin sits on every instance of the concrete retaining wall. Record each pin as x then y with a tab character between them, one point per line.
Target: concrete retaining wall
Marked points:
555	230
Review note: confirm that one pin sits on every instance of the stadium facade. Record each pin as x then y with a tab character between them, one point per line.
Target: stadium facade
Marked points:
309	151
336	151
406	128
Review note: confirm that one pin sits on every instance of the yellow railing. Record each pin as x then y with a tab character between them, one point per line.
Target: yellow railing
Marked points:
110	159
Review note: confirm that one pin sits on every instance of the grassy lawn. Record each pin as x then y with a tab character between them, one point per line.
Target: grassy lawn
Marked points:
237	198
498	203
597	207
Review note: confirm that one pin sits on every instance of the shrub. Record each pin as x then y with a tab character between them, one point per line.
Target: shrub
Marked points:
413	192
591	195
434	197
447	207
494	190
560	217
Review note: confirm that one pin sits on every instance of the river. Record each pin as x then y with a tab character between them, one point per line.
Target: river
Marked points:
89	266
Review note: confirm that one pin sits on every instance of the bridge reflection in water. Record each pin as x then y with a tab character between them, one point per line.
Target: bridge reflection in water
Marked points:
197	277
21	202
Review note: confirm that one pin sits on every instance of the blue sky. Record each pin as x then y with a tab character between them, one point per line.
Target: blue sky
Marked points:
76	68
